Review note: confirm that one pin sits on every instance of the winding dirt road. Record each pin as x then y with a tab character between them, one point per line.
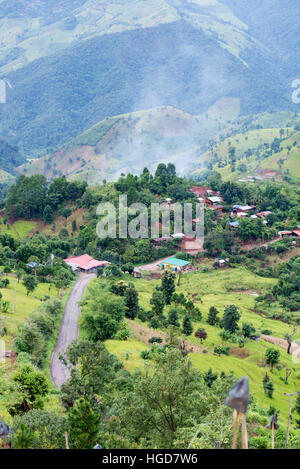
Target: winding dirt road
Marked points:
68	330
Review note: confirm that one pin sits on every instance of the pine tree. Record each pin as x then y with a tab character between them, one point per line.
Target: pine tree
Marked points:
187	327
48	214
272	357
212	318
173	318
168	286
83	425
131	302
210	377
268	386
23	438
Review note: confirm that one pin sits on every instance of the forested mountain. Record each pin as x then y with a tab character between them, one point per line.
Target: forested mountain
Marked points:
72	65
9	156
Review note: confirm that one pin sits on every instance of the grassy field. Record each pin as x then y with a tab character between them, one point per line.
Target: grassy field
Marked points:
253	139
221	288
288	158
19	230
24	306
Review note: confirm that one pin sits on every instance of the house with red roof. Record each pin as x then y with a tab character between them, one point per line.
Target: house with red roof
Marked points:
85	263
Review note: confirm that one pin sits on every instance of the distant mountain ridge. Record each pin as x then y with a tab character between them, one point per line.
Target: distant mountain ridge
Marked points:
73	64
39	29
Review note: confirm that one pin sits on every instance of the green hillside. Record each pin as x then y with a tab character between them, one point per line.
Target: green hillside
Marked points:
288	159
256	151
128	142
221	288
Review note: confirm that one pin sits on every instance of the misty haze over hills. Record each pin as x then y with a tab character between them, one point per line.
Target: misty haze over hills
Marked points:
73	64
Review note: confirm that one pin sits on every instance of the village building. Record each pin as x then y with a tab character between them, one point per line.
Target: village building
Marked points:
137	272
178	235
243	208
158	242
293	233
241	214
85	263
223	262
219	208
172	263
233	224
213	200
264	214
191	245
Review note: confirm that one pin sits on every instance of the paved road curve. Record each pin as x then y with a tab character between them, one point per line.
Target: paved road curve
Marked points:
68	330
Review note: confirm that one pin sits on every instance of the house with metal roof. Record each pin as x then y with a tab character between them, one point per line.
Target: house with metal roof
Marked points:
214	200
243	208
85	263
233	224
175	264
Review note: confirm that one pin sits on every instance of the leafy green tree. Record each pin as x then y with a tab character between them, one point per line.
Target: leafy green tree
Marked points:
29	283
163	404
83	425
187	327
272	357
129	267
32	387
158	302
102	314
168	285
31	341
231	318
161	401
93	371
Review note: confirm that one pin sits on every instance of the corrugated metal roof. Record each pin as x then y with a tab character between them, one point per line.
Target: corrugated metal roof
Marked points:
85	262
176	262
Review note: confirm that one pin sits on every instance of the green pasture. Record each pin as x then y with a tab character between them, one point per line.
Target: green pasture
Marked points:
19	230
220	288
25	304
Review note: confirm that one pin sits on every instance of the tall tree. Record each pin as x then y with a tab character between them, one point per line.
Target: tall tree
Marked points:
168	285
187	327
131	302
231	318
83	425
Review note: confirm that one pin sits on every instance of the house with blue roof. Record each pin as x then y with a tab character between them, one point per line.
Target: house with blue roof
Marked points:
172	263
234	224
